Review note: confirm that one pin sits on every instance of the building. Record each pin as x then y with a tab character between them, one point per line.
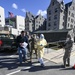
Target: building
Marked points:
16	24
2	17
29	22
20	23
55	15
70	15
33	23
40	23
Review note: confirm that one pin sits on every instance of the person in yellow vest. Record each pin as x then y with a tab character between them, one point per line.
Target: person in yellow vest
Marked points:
41	43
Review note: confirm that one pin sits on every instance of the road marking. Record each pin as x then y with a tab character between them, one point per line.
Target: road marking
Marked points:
13	72
25	68
11	56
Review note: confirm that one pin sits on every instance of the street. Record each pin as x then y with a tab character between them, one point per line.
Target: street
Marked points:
9	66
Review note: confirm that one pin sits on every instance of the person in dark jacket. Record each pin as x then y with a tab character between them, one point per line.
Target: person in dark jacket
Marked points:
22	42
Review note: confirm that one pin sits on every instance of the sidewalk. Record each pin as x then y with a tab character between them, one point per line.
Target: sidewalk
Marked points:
56	56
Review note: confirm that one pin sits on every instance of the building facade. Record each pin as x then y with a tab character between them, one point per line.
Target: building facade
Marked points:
40	23
29	22
2	17
16	24
60	15
70	15
33	23
20	23
55	15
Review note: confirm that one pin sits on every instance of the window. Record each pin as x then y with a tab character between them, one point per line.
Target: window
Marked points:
36	25
69	12
49	24
0	20
29	21
68	18
55	17
72	20
68	24
49	18
49	12
32	16
63	24
36	21
53	3
71	26
55	23
56	10
0	15
72	15
62	7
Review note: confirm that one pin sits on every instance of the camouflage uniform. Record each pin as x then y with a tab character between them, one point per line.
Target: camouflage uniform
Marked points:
68	48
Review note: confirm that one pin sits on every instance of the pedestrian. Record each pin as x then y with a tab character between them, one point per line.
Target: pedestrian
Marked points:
22	42
29	45
33	46
41	43
68	47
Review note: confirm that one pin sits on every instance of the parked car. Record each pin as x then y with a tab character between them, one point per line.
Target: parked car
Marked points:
7	42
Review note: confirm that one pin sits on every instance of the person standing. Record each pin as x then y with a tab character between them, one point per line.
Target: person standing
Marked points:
68	47
29	45
41	43
33	47
22	42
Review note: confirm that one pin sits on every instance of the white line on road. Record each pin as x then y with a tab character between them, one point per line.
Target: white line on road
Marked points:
14	72
25	68
12	56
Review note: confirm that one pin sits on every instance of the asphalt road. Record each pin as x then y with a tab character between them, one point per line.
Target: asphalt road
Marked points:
9	66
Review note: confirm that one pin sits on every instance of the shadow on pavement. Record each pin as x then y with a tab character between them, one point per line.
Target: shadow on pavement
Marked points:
11	62
8	64
71	68
39	68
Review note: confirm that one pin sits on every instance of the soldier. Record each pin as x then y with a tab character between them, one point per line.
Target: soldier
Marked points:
33	43
68	47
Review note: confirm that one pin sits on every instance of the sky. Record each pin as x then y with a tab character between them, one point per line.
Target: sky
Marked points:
19	7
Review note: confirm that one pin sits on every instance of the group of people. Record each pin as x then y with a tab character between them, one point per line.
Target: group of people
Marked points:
28	43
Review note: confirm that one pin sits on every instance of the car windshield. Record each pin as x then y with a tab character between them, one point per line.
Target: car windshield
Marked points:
6	36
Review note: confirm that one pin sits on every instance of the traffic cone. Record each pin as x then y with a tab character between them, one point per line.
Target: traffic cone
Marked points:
74	66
